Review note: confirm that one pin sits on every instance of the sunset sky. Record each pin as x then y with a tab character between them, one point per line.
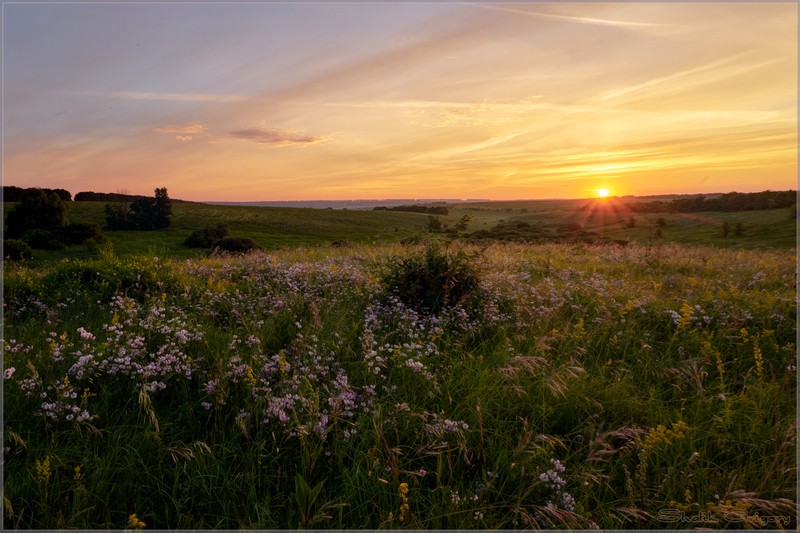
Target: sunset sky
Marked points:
246	102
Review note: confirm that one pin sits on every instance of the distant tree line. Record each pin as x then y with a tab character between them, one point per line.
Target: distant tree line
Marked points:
416	208
90	196
12	193
733	201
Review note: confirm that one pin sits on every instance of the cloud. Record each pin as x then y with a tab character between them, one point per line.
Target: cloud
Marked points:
577	19
274	136
180	97
186	132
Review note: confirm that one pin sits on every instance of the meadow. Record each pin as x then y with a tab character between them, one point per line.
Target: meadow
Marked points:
550	386
274	228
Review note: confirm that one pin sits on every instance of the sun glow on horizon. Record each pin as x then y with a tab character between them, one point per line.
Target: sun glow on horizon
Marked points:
602	193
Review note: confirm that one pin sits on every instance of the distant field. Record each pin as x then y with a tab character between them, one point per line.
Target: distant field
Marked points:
284	227
270	227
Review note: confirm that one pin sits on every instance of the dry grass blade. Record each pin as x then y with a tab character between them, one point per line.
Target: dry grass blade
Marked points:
147	407
626	515
614	442
778	505
552	518
530	364
189	452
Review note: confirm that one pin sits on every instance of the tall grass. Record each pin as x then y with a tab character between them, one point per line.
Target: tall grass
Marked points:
577	387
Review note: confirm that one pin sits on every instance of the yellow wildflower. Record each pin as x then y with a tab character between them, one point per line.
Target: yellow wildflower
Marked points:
43	470
251	378
135	523
759	360
662	434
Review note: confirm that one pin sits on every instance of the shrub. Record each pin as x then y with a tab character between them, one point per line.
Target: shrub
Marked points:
43	239
16	250
80	232
38	209
236	245
206	237
433	279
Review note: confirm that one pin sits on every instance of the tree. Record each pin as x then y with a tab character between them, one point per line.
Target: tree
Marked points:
142	214
163	209
461	225
38	209
434	224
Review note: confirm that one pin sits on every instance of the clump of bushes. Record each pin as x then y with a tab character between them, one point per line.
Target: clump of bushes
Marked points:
58	238
206	237
16	250
235	245
433	279
38	209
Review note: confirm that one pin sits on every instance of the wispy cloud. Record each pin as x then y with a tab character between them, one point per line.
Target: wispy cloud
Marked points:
274	136
179	97
186	132
576	19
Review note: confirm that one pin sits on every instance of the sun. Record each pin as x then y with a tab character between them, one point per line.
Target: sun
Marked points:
602	193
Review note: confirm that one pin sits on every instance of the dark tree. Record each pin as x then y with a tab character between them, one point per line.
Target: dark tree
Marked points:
162	210
38	209
142	214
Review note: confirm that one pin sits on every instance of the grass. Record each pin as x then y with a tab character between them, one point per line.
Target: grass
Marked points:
275	228
582	386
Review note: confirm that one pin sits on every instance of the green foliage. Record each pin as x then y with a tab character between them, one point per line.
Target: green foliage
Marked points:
80	232
12	193
434	224
235	245
593	387
38	209
16	250
416	208
142	214
433	279
43	239
206	237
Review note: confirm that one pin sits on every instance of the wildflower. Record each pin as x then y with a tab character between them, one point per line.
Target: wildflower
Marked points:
43	470
422	472
8	372
135	523
78	474
405	511
85	334
661	434
759	360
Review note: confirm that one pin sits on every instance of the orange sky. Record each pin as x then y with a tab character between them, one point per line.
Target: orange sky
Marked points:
310	101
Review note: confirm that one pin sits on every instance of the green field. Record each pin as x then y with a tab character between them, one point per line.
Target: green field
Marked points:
380	385
275	228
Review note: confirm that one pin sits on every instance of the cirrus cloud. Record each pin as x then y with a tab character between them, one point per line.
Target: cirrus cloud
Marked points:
274	136
186	132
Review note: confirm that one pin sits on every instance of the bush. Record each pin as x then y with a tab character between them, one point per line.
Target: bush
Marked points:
16	250
433	279
206	237
42	239
80	232
235	245
38	209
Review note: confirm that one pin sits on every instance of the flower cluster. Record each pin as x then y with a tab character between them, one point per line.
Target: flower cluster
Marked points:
552	480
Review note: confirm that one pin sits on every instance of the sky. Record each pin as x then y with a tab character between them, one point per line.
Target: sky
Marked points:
300	101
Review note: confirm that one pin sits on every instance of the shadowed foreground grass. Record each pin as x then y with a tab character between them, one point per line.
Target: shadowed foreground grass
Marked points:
575	387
